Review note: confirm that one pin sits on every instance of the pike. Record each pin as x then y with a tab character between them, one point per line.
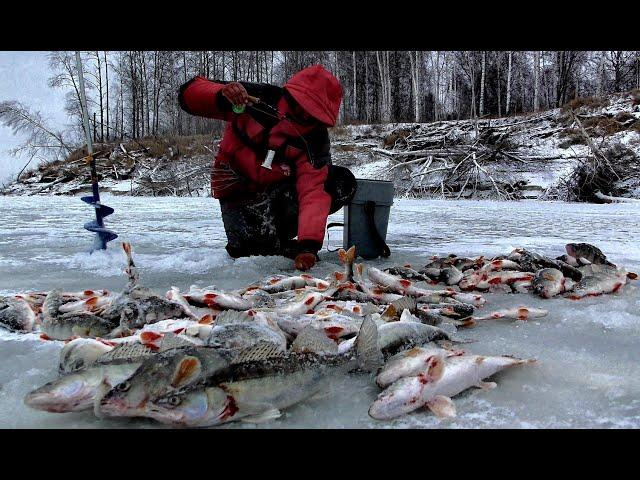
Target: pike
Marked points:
16	314
406	287
335	326
77	391
500	264
453	310
601	280
474	300
163	374
532	262
394	337
91	304
305	305
175	296
412	362
245	335
548	283
258	389
81	353
506	278
409	273
72	324
376	294
435	386
348	307
436	317
450	275
217	300
471	279
590	253
278	284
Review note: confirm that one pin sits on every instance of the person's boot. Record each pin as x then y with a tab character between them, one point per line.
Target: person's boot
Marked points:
236	252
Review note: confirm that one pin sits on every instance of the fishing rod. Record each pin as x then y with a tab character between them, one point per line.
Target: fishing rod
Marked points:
275	113
103	235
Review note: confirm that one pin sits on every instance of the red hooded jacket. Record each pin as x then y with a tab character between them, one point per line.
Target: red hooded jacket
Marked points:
237	167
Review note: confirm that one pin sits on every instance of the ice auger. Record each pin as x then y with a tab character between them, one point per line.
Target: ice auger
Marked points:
103	235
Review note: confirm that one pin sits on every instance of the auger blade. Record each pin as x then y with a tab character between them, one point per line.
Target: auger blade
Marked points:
103	232
103	235
105	211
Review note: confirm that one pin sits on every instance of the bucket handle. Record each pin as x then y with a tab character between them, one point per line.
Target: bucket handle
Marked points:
369	210
331	225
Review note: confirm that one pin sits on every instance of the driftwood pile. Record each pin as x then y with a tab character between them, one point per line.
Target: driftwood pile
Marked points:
148	174
478	158
456	159
609	167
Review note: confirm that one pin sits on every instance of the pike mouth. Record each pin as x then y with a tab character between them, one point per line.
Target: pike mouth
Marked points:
165	415
50	403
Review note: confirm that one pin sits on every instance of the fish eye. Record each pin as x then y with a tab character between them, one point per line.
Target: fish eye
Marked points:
174	401
123	387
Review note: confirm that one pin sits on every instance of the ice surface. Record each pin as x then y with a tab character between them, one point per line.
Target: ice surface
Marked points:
588	373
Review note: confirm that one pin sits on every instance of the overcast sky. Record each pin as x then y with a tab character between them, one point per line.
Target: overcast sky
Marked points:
23	77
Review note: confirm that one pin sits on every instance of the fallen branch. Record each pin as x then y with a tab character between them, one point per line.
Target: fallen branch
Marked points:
49	185
596	150
495	185
611	199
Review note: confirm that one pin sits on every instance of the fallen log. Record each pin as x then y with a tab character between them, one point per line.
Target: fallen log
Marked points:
610	199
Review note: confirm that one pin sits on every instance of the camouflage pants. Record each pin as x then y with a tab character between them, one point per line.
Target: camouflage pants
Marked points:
267	223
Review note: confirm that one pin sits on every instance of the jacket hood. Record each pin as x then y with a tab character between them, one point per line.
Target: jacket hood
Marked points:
318	92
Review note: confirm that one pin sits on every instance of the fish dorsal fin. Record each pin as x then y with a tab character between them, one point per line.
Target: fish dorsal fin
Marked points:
405	302
368	352
407	316
229	317
171	340
369	308
125	351
260	351
315	341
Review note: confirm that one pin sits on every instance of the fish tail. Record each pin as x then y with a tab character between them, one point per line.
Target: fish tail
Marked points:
368	353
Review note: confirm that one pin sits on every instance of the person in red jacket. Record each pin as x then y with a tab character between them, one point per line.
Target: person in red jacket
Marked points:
273	173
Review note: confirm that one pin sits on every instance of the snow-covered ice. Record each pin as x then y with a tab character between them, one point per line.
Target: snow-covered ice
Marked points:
587	375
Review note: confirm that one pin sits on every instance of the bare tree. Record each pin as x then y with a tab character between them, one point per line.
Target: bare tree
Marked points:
508	102
385	82
484	69
41	140
536	81
415	60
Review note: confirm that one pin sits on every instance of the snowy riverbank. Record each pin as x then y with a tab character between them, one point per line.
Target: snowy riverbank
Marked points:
528	156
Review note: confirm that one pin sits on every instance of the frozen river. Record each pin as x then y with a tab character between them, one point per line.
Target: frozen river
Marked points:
588	374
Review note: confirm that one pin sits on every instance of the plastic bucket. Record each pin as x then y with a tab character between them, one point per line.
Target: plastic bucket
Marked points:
366	218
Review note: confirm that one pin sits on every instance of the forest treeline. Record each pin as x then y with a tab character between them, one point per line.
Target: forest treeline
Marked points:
133	94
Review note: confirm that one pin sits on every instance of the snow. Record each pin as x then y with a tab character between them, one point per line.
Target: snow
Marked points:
587	375
377	170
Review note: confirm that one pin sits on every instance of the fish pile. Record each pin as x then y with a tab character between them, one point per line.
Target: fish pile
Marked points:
583	271
204	357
